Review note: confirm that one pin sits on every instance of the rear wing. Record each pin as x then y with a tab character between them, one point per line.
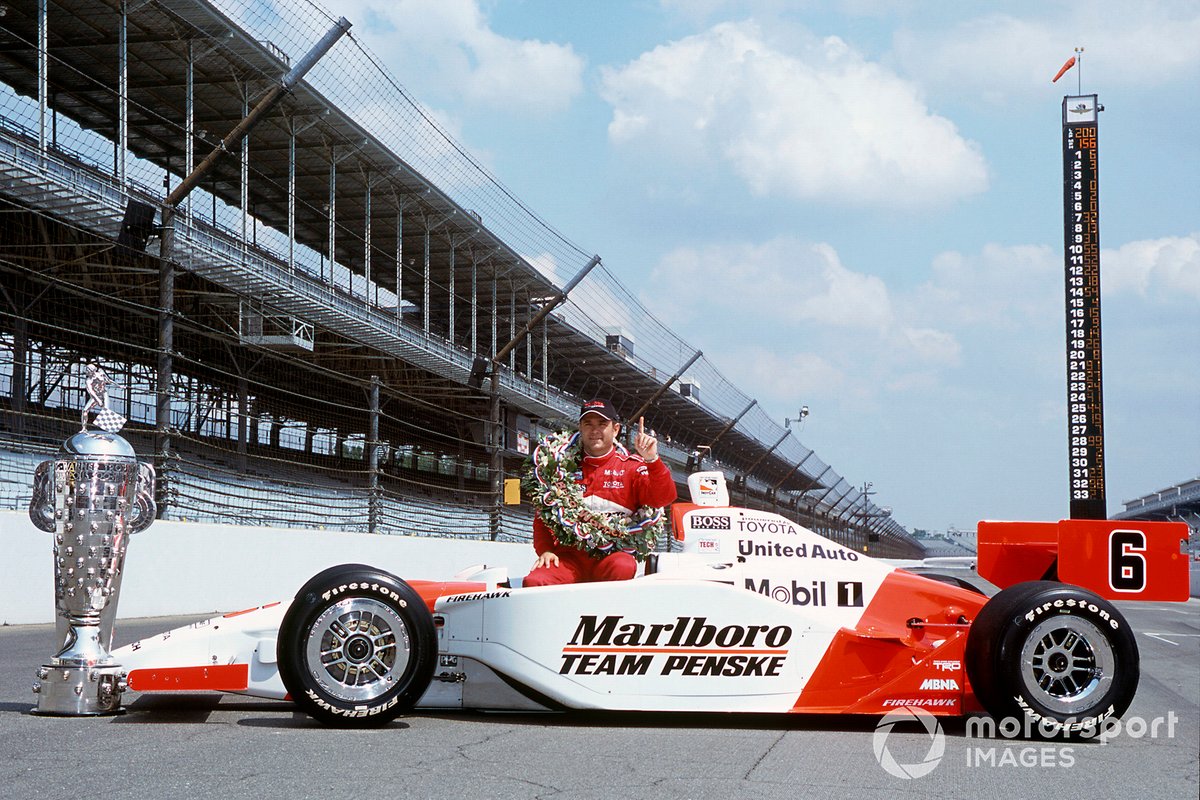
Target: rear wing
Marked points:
1116	559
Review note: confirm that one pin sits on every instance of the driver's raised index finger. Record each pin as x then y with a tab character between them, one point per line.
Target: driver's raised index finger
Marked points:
642	426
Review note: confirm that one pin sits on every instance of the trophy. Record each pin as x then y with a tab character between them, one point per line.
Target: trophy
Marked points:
92	497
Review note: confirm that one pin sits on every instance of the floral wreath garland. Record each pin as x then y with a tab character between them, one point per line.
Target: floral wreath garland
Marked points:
558	500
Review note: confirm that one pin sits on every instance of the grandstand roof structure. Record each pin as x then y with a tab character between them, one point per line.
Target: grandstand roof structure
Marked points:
349	241
1180	502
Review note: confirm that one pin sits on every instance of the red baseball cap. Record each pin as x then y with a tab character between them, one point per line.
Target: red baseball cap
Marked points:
601	407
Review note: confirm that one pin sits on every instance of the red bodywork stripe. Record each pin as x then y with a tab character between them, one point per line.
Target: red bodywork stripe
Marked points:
215	678
868	668
430	591
248	610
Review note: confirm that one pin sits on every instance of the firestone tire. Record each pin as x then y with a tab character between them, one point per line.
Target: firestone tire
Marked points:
1054	655
357	647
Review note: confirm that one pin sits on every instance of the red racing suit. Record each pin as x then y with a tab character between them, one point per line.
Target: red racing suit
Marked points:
617	482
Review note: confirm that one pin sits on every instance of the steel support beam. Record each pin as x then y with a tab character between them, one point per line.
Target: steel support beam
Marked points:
474	305
332	203
496	460
425	291
450	304
399	261
291	193
122	142
771	449
730	425
367	242
244	171
663	389
43	77
189	116
373	457
268	102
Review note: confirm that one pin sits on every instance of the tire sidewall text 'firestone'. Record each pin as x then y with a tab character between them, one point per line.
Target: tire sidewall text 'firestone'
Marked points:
1057	655
391	660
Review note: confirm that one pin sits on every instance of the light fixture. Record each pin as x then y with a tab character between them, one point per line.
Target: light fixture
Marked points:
787	423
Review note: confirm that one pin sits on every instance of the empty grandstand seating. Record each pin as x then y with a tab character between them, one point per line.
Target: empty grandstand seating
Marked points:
201	489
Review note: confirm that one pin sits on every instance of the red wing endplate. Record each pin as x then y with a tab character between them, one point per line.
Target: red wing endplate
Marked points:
1116	559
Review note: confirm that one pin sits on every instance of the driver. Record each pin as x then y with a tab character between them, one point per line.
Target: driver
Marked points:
613	481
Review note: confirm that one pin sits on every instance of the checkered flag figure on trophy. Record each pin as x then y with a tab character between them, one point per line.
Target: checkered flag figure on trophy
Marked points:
96	384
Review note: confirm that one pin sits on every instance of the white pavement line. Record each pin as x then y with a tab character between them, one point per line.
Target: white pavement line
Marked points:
1173	609
1160	636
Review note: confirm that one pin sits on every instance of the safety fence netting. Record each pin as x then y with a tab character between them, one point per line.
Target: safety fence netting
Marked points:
260	437
238	410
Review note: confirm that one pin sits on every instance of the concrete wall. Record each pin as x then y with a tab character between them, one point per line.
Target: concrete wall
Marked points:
196	568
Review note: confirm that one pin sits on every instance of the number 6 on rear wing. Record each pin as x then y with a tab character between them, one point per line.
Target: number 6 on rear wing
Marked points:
1116	559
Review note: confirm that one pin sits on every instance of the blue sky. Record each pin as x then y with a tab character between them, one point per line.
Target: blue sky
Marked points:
856	206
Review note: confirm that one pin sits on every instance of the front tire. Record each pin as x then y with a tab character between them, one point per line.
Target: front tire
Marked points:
1055	655
357	647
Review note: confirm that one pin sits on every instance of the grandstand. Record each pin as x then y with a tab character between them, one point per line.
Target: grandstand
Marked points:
1178	503
348	323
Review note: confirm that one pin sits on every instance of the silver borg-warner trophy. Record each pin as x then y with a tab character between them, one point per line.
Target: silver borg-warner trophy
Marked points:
92	497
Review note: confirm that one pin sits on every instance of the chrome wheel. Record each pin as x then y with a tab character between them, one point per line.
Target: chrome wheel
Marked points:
1067	663
357	649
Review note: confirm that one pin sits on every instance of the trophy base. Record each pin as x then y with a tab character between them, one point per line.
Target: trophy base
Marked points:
79	691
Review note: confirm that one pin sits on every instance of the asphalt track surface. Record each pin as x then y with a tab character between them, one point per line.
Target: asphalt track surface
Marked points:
228	746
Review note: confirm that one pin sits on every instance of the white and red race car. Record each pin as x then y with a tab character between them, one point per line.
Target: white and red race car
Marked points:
755	614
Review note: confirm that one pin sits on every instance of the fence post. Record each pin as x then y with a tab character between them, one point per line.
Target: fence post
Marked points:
373	458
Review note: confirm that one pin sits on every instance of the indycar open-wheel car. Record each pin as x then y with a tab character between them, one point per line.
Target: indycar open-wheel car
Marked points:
749	612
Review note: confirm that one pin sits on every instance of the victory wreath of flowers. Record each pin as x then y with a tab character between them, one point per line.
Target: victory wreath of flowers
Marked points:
551	482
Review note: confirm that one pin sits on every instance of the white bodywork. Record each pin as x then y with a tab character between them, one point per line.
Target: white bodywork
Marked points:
737	621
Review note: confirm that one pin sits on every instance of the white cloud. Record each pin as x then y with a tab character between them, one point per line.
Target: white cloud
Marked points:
844	297
931	345
595	306
1002	287
815	122
801	290
783	376
1006	288
439	46
1141	45
1168	266
547	265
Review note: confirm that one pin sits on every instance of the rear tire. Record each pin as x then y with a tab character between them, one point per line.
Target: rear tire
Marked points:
357	647
1057	656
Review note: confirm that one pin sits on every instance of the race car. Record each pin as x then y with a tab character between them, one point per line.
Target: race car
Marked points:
751	613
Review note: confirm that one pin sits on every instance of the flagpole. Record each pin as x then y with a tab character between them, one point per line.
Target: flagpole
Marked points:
1078	70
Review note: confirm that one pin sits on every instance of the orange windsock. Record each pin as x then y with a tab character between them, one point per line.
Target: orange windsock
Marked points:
1070	63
